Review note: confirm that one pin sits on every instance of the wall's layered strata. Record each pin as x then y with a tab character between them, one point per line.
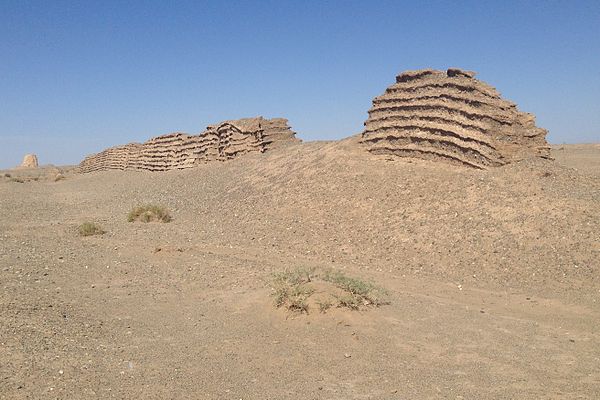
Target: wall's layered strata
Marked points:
219	142
451	116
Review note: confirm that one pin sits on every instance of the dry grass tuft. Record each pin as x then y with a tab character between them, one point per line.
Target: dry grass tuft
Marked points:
324	305
90	229
149	213
291	290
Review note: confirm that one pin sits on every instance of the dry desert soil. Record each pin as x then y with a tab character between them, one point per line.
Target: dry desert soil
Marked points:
493	279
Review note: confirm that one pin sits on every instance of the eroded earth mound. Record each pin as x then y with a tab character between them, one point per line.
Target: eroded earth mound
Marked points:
219	142
29	161
451	116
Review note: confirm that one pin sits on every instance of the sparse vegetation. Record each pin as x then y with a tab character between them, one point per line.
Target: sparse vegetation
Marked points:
90	229
324	305
349	301
291	290
149	213
295	277
358	291
17	180
7	175
297	298
294	290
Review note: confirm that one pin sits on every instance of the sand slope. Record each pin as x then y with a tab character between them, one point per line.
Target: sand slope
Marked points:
493	278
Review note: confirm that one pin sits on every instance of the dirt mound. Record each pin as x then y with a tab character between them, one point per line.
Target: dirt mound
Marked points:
29	161
219	142
451	116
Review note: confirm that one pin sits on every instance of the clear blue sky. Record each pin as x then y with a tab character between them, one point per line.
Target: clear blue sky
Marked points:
79	76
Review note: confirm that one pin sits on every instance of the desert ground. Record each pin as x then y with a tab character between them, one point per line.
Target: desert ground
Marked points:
492	278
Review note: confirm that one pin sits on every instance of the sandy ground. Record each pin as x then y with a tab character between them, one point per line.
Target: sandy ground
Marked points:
493	279
583	157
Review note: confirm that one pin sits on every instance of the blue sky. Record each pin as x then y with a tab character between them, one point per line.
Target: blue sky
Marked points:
79	76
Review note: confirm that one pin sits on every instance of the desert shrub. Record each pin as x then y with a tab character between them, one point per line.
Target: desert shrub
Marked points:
17	180
359	292
293	289
7	175
90	229
149	213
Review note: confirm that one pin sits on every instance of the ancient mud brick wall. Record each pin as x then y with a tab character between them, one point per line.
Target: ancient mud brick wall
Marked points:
451	116
224	141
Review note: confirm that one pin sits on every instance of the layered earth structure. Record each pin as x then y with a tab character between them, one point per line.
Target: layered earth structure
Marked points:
219	142
451	116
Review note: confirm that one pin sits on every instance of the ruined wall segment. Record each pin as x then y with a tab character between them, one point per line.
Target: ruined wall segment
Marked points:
451	116
29	161
220	142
